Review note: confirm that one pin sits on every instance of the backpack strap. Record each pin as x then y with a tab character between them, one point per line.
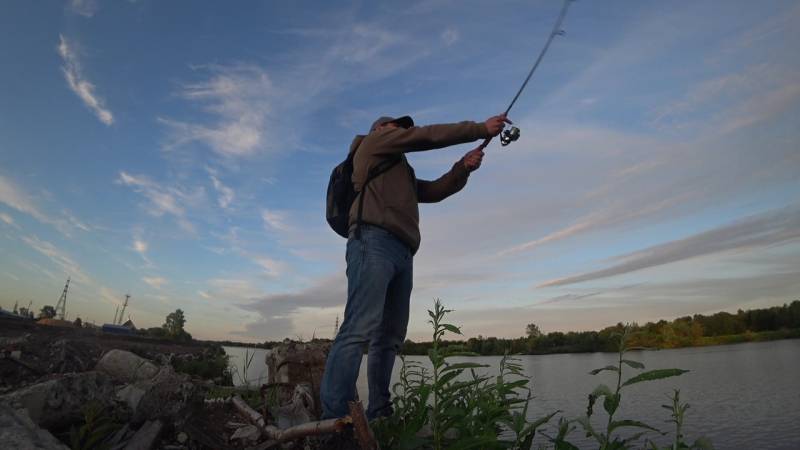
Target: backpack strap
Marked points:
373	173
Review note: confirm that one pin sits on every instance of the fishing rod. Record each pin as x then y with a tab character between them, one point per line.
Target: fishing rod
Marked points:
513	133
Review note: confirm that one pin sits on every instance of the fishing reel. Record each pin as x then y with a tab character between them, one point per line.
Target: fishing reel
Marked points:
509	136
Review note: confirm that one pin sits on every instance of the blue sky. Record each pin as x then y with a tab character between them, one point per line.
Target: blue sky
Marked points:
179	152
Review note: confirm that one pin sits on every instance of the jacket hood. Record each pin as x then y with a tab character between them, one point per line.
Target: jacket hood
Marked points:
356	142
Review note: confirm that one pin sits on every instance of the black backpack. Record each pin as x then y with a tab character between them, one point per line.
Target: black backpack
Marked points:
342	194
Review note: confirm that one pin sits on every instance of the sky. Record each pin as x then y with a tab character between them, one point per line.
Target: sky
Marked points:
179	152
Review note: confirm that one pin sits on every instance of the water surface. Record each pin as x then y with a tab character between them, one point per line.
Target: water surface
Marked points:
743	396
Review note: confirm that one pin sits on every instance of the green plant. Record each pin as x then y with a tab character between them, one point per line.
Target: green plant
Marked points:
97	429
677	412
454	406
212	364
246	363
608	439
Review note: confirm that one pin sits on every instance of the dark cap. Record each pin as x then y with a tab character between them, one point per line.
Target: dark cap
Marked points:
405	122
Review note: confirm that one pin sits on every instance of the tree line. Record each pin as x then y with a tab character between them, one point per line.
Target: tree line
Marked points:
754	324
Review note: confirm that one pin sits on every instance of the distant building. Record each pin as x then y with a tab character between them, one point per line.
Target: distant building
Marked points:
23	315
129	324
117	329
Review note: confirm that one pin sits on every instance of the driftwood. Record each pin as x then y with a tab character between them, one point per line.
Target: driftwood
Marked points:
280	435
249	413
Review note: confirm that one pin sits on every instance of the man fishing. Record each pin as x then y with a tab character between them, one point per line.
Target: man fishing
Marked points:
383	238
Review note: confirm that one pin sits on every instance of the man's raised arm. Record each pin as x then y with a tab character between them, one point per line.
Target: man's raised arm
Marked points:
414	139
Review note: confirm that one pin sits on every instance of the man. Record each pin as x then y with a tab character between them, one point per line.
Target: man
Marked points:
381	247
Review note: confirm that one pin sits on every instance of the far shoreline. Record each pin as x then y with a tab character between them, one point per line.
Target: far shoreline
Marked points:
733	339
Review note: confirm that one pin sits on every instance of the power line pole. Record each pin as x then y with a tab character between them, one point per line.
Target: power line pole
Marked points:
336	327
124	305
61	306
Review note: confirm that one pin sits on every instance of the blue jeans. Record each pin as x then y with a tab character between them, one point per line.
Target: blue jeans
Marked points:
379	280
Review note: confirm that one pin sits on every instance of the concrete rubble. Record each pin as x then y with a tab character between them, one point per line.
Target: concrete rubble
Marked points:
127	395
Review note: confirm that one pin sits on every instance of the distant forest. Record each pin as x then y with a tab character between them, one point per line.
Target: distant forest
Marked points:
778	322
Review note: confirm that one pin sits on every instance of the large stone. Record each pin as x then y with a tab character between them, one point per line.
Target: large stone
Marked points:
126	366
131	395
60	401
17	430
165	396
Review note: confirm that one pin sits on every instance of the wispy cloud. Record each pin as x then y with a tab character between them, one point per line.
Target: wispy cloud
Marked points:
162	199
610	215
275	220
450	36
81	86
231	290
774	227
140	246
225	194
61	259
17	198
75	222
85	8
11	275
155	282
272	267
239	98
8	220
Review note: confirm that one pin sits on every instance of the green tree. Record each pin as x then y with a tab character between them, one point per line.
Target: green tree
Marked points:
173	325
533	331
47	312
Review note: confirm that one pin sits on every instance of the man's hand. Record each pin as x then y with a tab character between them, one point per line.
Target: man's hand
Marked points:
473	158
494	125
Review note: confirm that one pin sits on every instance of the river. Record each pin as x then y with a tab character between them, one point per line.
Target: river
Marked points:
743	396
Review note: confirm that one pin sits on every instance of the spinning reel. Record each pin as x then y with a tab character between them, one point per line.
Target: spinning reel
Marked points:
509	136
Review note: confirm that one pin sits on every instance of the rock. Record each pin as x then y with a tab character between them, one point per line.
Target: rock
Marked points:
247	432
182	437
17	430
60	401
16	354
14	341
146	437
166	395
126	366
131	396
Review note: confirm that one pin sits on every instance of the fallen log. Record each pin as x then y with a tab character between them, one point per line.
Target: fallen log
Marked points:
317	428
314	428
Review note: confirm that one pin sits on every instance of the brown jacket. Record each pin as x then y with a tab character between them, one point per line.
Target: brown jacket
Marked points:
391	198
